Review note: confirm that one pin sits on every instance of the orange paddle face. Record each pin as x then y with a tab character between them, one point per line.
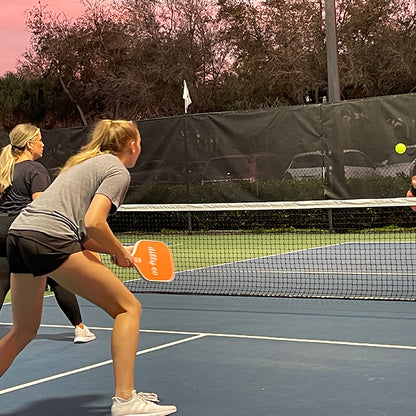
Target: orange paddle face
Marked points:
153	260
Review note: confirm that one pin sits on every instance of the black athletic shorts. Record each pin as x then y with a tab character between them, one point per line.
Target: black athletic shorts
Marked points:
37	253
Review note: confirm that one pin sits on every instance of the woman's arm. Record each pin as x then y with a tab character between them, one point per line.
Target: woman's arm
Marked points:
101	237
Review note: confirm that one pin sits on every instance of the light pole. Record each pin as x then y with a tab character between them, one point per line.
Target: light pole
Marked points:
334	94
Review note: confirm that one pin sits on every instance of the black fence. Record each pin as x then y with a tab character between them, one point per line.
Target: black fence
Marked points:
342	150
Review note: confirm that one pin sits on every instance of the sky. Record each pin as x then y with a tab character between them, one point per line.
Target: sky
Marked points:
15	36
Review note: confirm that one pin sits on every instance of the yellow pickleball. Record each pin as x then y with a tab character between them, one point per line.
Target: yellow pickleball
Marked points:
400	148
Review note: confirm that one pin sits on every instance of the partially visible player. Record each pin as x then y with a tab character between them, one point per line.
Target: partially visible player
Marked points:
66	221
22	179
411	193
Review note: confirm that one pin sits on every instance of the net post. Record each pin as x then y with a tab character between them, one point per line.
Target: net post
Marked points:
330	221
189	216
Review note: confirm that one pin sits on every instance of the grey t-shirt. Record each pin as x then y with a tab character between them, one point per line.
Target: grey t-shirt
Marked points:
60	210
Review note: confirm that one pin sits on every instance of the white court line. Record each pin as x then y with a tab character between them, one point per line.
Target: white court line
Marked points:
90	367
241	336
281	339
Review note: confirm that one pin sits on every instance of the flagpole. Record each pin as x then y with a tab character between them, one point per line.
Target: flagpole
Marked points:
187	101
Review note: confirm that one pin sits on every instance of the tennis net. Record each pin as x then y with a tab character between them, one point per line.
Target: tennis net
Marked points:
357	249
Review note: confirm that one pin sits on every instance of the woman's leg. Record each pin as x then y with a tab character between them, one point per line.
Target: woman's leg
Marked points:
86	276
27	301
67	301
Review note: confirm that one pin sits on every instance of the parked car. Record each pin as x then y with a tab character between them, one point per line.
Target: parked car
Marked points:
357	164
397	164
156	171
308	165
243	167
318	164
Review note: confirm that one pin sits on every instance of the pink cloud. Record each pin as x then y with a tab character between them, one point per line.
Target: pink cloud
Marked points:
14	36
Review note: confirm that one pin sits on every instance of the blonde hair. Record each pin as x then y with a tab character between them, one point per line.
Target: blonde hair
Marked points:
108	136
19	137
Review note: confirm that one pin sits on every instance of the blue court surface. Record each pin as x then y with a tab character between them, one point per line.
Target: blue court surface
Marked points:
222	356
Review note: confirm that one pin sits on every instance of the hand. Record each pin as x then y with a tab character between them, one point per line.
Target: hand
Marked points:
123	259
129	249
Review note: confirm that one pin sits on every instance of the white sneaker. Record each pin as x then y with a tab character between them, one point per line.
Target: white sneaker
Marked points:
83	335
140	404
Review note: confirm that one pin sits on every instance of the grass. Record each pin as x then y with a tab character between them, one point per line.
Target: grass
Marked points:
7	298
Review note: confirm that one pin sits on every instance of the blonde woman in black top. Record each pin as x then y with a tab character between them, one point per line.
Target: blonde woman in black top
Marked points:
22	180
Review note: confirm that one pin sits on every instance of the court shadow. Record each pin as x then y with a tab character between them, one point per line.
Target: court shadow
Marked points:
69	406
64	336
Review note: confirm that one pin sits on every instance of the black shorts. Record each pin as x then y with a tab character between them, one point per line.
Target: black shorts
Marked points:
37	253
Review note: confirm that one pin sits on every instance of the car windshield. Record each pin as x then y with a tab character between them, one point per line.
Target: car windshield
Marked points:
308	161
356	159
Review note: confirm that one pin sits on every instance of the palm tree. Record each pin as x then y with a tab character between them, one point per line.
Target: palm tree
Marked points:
11	98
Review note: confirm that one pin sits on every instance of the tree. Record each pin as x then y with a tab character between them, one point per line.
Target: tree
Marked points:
128	58
11	98
377	47
279	50
178	40
128	61
21	101
52	38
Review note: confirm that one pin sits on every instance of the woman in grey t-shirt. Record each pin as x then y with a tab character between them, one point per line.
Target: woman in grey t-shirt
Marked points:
52	236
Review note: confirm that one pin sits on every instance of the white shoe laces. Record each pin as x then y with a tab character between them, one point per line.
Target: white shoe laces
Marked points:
150	397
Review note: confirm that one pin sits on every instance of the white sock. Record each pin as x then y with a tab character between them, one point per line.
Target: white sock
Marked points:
126	400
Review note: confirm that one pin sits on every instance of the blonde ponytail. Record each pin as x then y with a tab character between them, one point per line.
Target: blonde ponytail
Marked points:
19	137
6	168
108	136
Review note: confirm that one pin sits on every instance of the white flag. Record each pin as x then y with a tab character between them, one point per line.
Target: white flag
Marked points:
186	96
